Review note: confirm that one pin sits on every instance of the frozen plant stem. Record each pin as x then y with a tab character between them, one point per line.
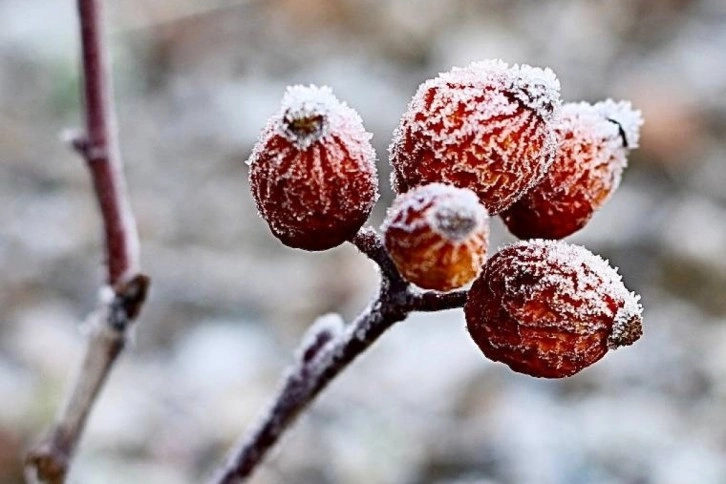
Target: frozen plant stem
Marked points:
310	375
110	325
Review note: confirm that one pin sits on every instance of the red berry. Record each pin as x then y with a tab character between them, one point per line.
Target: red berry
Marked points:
591	155
486	127
312	172
550	309
437	235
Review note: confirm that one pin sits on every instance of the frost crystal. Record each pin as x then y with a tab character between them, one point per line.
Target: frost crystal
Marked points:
305	114
627	327
578	275
550	309
538	89
313	172
437	235
452	212
587	170
628	120
486	127
319	336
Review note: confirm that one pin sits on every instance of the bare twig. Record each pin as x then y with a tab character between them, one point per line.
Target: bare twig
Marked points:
110	325
430	301
308	377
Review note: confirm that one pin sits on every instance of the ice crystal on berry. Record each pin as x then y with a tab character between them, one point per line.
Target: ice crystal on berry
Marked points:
588	166
627	119
486	127
550	309
437	235
312	171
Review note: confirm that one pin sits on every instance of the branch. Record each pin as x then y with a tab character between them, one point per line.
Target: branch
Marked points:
431	301
110	325
369	243
327	353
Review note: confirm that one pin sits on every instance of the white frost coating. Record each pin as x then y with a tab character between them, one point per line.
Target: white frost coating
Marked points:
487	126
536	88
313	103
591	144
554	263
442	206
622	325
630	120
313	168
106	295
328	326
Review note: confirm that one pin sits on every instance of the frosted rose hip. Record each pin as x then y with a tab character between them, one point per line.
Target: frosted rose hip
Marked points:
486	127
312	172
437	236
550	309
593	143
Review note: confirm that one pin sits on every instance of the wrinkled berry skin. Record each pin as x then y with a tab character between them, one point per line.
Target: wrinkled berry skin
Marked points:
486	127
550	309
437	235
312	172
591	155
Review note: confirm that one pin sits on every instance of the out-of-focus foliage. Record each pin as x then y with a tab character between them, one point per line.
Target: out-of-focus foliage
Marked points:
195	82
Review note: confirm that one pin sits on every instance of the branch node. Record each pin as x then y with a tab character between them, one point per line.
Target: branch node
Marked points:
77	140
47	463
128	301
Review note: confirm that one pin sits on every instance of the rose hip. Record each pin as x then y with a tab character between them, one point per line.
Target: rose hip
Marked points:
312	172
437	236
550	309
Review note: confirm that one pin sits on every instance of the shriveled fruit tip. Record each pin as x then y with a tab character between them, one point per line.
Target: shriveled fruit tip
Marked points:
628	324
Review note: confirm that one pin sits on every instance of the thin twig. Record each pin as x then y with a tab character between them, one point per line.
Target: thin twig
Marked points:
309	376
369	243
110	325
430	301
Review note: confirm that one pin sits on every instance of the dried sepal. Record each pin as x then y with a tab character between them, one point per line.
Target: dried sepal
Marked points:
550	309
437	235
593	144
312	171
486	127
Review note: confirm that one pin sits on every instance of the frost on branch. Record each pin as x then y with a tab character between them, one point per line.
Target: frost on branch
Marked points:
589	162
437	235
487	127
319	336
550	309
312	171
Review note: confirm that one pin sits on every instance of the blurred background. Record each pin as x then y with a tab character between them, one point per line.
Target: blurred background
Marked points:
195	82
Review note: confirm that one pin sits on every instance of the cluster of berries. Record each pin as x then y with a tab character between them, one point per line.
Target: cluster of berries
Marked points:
487	139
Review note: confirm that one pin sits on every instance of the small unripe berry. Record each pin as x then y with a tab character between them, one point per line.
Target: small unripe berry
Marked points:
550	309
312	171
486	127
437	235
593	143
